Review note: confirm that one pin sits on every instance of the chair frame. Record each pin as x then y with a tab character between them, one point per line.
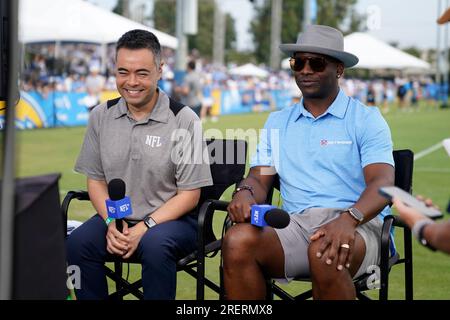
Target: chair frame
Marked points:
404	162
226	172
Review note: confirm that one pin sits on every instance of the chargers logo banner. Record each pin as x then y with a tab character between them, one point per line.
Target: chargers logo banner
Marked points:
31	112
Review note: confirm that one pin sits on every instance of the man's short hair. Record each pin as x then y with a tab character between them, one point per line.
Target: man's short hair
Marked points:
140	39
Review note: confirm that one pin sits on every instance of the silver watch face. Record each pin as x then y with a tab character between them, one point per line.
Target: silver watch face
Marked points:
356	214
149	222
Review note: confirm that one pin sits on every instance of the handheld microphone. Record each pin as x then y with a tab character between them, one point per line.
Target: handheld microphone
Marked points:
267	215
118	205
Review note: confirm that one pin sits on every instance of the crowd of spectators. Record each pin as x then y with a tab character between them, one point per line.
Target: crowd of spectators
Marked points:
76	67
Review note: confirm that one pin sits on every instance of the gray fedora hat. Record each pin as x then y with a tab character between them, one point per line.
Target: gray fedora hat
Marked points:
323	40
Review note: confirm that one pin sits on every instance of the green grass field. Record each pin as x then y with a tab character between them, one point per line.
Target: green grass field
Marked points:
55	150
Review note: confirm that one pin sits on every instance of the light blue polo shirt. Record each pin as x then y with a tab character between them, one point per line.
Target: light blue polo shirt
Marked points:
320	160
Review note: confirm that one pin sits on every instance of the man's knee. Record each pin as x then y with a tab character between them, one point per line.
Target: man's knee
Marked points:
313	248
239	241
72	247
158	246
88	240
328	273
320	270
314	261
77	246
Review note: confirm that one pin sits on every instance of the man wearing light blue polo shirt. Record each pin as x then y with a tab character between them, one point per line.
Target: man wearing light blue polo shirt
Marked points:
332	154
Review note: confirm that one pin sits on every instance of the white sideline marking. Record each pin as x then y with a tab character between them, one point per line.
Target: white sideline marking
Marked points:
426	152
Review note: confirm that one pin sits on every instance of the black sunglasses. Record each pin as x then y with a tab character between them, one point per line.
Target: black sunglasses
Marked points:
317	64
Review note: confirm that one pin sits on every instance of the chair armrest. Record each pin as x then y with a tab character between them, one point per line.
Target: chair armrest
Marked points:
386	246
388	223
213	204
398	222
386	236
206	213
205	217
79	195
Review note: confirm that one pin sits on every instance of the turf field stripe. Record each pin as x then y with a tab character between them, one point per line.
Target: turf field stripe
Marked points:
427	151
432	170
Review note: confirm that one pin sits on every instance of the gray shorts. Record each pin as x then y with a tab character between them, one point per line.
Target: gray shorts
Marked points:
295	240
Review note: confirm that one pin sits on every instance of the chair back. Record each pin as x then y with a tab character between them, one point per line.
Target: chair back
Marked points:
227	162
404	163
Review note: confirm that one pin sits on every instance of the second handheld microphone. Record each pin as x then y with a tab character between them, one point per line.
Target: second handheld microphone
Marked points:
267	215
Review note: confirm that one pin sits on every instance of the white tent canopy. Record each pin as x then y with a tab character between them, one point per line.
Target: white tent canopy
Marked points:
285	64
249	70
76	20
376	54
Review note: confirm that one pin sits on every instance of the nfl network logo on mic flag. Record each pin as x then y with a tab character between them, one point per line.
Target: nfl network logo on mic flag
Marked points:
119	209
258	213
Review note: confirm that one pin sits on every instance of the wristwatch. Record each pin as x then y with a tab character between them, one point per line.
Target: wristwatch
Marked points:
356	214
149	222
417	231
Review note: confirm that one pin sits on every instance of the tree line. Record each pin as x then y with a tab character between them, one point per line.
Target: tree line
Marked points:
339	14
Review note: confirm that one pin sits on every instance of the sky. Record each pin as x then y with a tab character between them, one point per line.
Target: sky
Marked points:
406	22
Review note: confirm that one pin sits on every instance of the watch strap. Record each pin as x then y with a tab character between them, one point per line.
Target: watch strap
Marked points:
243	187
356	214
418	230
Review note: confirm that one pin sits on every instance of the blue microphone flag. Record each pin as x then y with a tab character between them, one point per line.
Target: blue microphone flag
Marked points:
119	209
